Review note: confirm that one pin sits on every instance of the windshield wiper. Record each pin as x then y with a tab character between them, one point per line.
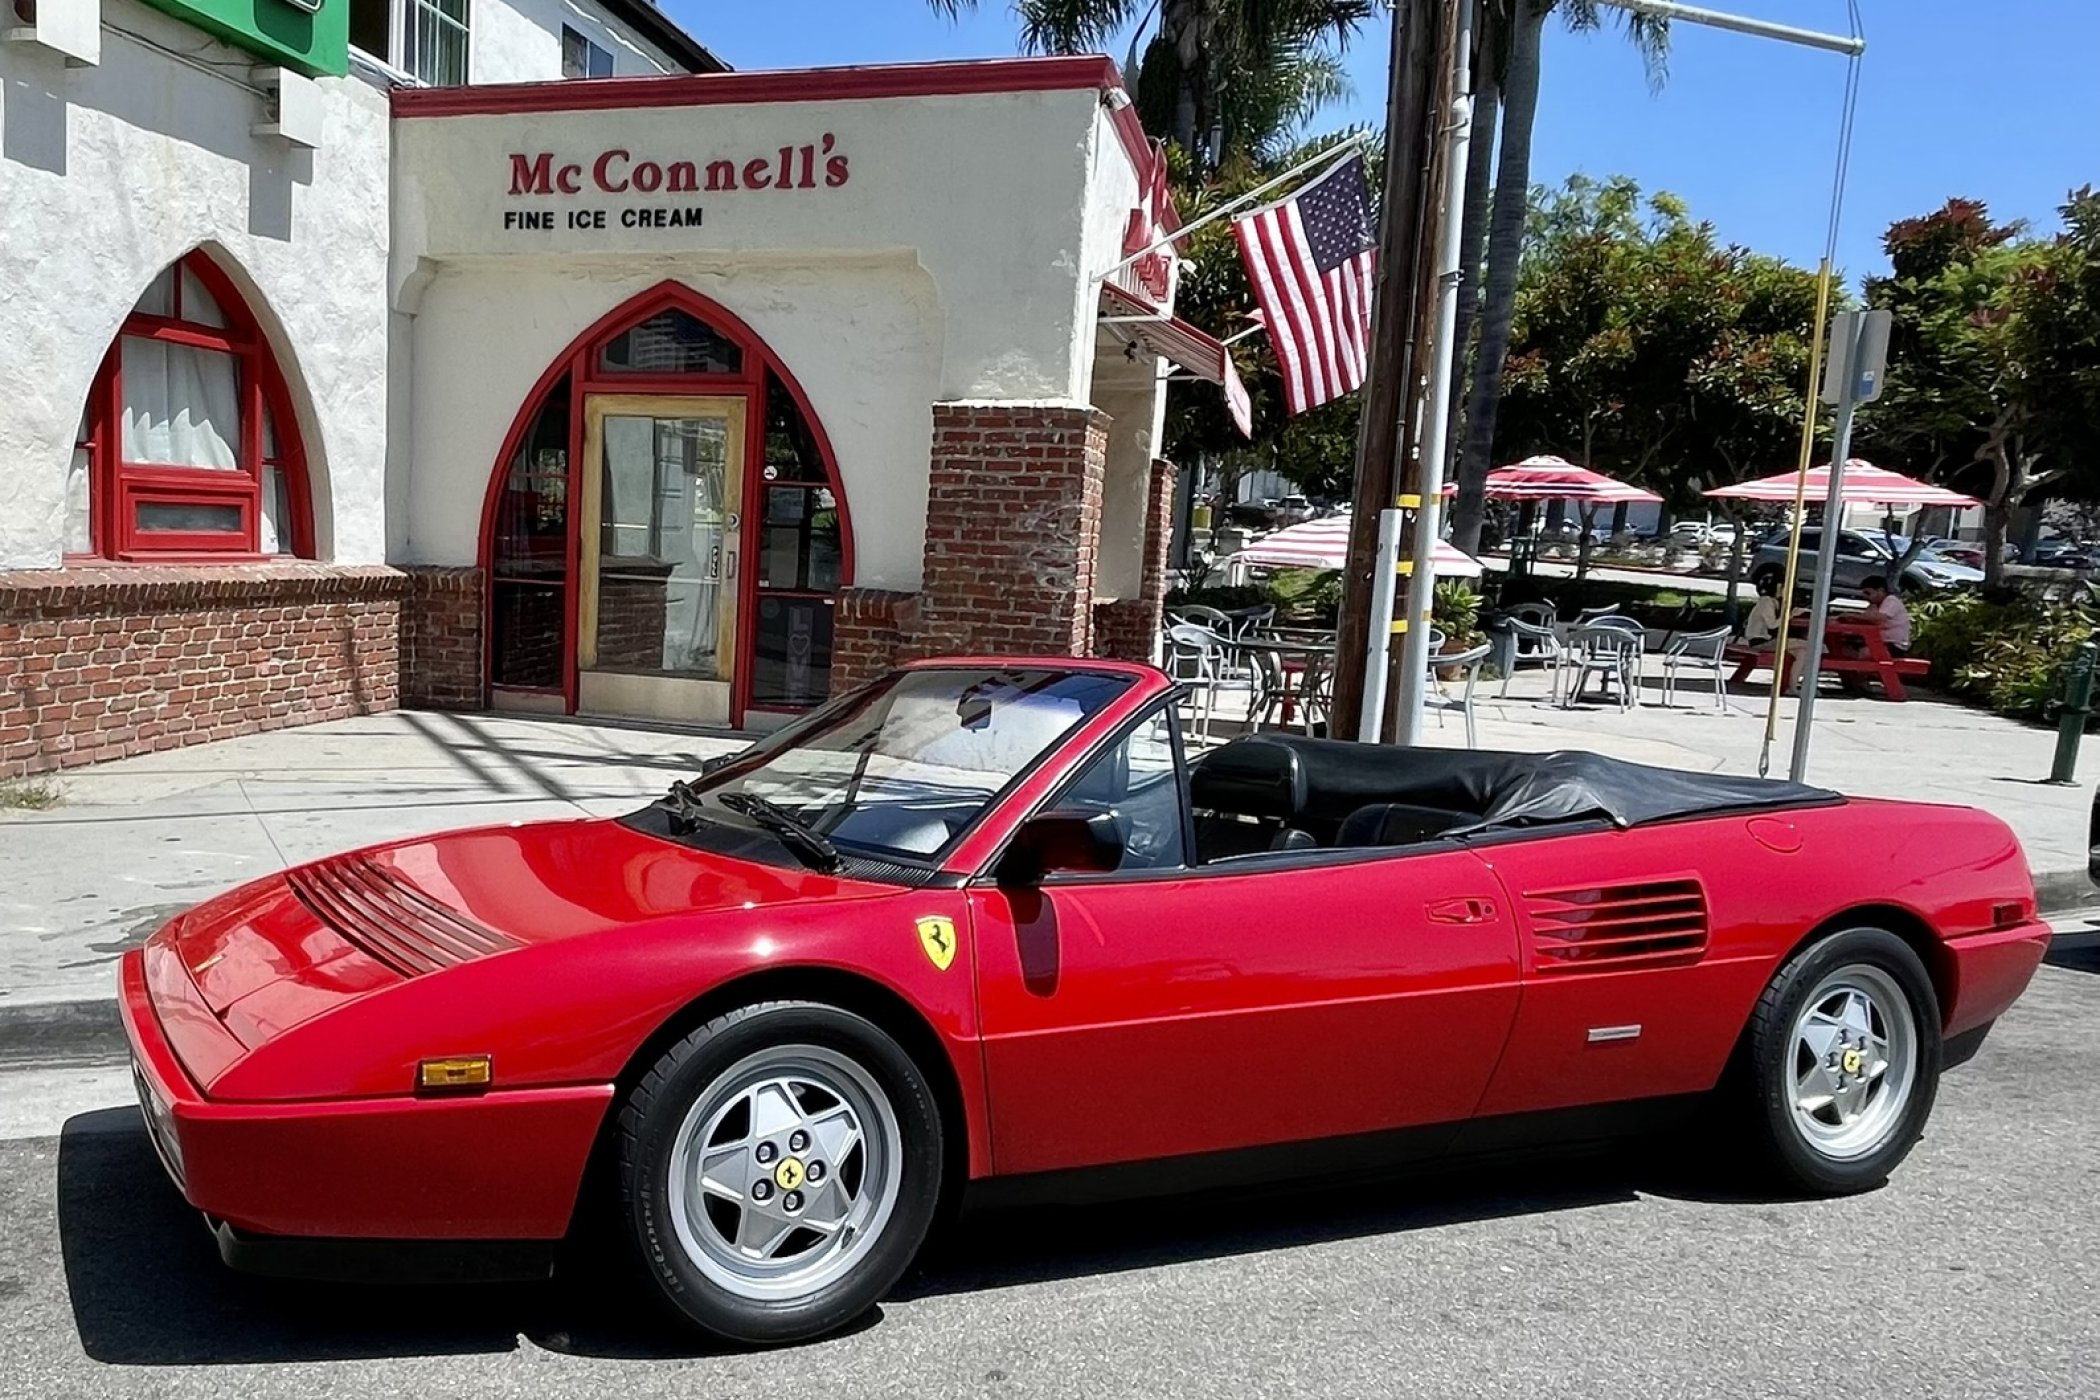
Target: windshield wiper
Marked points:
794	833
682	805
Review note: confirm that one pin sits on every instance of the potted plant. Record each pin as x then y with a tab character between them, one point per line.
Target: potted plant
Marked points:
1455	610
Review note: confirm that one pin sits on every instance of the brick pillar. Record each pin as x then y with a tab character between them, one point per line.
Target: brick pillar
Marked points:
870	629
1013	525
1128	628
441	647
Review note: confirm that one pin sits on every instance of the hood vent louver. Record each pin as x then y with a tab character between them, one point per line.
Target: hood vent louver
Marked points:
368	905
1657	923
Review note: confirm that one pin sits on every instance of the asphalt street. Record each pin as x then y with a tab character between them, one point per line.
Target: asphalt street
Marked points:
1971	1274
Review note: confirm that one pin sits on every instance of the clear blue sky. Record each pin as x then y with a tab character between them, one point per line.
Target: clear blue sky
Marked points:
1994	99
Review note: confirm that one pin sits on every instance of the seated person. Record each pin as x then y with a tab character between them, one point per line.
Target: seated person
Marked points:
1887	609
1766	621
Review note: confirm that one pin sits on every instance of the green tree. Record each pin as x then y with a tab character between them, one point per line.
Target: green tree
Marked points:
1994	356
1643	347
1524	24
1218	76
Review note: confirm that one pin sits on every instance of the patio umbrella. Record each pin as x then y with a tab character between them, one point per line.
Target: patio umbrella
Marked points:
1863	482
1558	479
1324	544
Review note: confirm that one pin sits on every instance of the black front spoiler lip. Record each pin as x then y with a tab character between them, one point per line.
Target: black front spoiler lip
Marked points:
383	1261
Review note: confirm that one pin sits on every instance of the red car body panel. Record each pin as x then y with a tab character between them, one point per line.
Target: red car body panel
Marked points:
1087	1021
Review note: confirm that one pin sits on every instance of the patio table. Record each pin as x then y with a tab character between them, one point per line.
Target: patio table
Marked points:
1297	654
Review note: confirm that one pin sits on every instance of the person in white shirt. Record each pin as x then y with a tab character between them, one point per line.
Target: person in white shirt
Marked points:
1888	610
1762	628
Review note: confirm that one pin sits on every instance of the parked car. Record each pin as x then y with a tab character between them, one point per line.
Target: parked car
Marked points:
1293	509
985	921
2062	554
1861	555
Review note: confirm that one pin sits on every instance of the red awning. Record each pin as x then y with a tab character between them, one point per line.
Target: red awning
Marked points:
1176	341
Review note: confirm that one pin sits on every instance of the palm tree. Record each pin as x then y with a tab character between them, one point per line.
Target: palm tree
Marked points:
1216	75
1505	226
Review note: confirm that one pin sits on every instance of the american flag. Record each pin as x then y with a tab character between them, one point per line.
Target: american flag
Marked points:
1310	258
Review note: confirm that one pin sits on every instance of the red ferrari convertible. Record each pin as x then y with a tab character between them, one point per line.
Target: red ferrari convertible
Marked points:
991	919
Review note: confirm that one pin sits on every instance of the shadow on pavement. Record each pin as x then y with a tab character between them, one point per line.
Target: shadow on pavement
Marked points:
148	1289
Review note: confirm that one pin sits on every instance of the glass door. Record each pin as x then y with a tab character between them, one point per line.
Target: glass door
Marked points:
662	512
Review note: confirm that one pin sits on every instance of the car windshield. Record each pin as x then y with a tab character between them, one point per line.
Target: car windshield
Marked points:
903	768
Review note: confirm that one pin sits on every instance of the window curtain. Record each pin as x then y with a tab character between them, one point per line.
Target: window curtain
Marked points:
181	406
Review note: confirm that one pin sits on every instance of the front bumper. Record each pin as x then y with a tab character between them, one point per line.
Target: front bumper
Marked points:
498	1166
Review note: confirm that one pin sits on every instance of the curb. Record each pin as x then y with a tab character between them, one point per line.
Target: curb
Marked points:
74	1034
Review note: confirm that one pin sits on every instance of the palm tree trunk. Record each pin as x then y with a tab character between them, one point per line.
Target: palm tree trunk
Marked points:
1480	187
1185	26
1505	247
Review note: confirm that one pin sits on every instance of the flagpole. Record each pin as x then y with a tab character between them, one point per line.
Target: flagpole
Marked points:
1334	154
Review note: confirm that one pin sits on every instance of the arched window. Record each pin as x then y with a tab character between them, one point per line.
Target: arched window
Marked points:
187	447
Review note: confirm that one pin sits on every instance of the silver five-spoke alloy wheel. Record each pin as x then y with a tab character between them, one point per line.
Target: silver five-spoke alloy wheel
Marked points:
784	1171
1854	1062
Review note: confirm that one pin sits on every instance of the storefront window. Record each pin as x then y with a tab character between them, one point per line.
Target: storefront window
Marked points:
671	342
529	562
800	552
169	458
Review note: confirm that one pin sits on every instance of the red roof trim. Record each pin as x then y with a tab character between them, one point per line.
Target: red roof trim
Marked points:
946	79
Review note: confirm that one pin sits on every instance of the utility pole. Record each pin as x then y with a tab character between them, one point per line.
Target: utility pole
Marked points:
1424	475
1383	426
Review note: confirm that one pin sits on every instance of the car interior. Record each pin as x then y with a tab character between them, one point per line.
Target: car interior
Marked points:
1257	795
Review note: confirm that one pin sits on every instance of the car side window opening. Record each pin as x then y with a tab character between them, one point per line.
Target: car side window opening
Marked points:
1138	780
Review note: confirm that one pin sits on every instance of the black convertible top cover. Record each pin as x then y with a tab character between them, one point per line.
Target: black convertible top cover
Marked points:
1500	789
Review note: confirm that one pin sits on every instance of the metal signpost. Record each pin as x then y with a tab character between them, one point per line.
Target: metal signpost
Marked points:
1859	348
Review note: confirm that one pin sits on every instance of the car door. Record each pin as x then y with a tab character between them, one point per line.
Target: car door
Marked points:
1628	993
1169	1009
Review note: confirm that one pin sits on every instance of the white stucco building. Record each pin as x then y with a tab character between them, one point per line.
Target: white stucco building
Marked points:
390	364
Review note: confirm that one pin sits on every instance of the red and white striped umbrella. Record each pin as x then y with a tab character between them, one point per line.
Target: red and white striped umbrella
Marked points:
1863	482
1558	479
1324	544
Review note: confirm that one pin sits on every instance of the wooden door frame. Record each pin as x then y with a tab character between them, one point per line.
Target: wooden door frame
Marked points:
586	523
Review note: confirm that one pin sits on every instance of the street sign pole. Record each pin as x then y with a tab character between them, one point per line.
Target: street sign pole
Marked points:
1859	342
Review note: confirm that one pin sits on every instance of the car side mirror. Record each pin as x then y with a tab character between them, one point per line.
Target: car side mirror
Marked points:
1090	842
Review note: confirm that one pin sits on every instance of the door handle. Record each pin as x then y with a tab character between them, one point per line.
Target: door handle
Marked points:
1462	911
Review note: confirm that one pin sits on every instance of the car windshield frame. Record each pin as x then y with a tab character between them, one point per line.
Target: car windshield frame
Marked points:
1057	702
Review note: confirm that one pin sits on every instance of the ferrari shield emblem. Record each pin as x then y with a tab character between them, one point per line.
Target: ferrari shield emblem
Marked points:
937	937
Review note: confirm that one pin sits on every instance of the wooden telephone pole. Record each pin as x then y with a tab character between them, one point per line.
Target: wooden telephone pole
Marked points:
1401	294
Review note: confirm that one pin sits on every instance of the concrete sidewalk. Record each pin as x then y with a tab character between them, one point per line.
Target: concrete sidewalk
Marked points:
135	841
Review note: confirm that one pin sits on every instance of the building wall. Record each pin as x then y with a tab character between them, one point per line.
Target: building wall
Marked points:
861	335
108	174
520	42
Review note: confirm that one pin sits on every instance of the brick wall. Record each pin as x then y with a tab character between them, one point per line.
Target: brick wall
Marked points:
871	631
103	662
1013	525
441	646
1128	628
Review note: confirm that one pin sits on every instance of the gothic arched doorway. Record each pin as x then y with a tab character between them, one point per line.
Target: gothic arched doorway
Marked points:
664	535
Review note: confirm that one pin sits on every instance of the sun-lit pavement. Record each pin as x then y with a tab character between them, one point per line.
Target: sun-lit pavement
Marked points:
1971	1274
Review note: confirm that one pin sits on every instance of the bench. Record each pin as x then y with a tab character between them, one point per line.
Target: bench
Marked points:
1888	670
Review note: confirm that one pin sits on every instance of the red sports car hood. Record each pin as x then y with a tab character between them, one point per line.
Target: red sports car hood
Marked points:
272	954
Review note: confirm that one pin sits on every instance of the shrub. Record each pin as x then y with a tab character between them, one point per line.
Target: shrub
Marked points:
2006	653
1455	609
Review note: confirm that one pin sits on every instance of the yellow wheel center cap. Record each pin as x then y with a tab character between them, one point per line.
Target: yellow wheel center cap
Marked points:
788	1175
1853	1060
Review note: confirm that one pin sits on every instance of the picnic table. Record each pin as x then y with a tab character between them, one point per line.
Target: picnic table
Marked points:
1874	660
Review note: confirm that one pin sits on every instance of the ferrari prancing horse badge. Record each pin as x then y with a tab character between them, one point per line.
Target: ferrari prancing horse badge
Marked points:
937	937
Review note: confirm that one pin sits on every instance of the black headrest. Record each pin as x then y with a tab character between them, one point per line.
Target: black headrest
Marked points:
1398	824
1251	777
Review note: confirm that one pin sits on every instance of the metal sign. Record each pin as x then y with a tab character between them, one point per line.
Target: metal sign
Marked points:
1865	368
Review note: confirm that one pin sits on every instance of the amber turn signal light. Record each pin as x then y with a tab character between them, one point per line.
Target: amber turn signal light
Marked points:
459	1072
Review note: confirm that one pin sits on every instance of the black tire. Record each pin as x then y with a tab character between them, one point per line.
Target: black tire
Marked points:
655	1115
1762	1089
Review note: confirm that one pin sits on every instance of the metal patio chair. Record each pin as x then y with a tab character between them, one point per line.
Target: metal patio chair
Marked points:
1436	697
1607	652
1697	651
1203	660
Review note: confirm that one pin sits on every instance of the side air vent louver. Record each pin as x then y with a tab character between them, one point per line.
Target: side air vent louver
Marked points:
1619	926
368	906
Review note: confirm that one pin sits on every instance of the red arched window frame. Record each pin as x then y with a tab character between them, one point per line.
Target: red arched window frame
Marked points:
580	362
118	490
